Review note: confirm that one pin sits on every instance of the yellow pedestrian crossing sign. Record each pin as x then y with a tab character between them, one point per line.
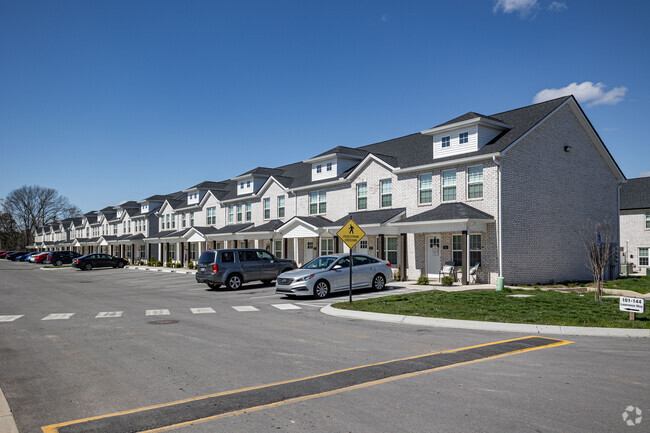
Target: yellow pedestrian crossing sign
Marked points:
351	233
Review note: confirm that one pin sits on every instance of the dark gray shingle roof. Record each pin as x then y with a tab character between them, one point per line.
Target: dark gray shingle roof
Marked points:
635	194
449	211
369	217
270	226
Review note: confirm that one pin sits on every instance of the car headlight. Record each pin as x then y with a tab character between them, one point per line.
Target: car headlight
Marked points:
305	278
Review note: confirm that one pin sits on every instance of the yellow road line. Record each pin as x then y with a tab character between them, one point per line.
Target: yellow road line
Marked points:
54	428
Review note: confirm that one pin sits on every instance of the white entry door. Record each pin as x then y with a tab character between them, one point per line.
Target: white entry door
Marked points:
433	256
362	246
309	250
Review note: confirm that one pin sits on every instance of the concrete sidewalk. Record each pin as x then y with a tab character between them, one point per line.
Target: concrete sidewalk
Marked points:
7	422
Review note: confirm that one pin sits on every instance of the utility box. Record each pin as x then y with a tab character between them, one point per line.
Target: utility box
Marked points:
624	270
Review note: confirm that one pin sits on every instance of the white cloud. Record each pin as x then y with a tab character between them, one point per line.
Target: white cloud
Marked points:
524	7
644	174
588	92
557	6
384	18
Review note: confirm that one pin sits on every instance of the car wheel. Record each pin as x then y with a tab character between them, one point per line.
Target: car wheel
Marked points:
234	282
59	263
213	285
88	266
267	282
379	282
321	289
120	265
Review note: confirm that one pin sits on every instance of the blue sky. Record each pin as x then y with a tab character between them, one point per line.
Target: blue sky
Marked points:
109	101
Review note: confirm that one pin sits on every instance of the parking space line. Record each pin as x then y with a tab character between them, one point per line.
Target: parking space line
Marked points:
58	316
286	307
203	310
163	312
107	314
166	416
10	318
243	308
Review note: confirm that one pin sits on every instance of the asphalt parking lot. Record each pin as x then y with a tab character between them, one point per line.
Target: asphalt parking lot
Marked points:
125	342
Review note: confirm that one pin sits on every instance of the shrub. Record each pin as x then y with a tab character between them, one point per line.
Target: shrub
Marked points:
158	263
140	262
169	264
423	280
447	280
190	265
178	265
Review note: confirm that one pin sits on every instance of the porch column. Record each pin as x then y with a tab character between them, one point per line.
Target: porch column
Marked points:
179	252
464	261
403	261
285	244
296	256
336	244
382	247
159	251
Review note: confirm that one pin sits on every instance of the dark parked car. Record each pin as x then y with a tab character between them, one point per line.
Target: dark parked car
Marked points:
96	260
24	258
13	256
58	258
233	267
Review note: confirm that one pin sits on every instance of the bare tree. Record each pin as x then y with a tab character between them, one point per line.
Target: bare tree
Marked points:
10	235
598	239
33	206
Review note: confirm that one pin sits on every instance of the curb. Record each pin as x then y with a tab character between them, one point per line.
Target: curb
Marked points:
487	326
7	421
54	269
140	268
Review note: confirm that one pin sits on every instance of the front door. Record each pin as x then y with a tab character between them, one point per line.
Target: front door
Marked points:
433	256
362	246
309	250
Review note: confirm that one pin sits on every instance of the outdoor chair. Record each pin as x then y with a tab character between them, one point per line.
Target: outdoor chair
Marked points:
447	269
473	272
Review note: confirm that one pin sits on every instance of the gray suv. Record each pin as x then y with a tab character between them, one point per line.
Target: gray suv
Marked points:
233	267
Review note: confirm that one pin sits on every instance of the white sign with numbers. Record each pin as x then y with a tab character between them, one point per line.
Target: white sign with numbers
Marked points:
633	305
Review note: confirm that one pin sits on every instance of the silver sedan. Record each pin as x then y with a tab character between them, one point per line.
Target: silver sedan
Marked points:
331	273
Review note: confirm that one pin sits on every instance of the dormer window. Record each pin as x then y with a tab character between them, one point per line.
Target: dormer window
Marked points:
446	141
319	168
463	137
329	166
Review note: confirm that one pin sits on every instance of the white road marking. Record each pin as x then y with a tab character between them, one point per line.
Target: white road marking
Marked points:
202	310
58	316
286	307
242	308
10	318
109	314
164	312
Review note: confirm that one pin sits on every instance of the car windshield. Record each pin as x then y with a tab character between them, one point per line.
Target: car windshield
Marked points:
320	263
206	258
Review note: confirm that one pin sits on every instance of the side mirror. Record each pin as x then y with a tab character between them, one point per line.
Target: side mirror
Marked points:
337	267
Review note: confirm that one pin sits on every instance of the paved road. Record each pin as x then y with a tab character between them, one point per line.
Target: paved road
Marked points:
77	365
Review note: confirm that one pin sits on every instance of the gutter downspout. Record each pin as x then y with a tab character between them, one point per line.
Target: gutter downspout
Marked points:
618	229
499	243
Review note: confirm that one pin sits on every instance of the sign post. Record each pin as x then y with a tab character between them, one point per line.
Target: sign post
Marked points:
633	305
350	234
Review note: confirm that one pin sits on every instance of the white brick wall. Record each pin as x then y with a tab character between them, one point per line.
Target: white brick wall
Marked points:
634	235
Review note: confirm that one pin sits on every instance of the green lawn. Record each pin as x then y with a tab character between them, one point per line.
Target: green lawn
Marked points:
544	308
637	284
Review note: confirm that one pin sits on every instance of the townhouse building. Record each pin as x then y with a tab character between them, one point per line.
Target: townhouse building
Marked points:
506	192
635	223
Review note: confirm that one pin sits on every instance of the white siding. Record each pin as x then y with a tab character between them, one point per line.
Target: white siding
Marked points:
455	147
485	134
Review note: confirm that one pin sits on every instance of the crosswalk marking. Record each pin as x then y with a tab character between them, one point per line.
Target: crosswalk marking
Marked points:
109	314
202	310
10	318
242	308
286	307
58	316
163	312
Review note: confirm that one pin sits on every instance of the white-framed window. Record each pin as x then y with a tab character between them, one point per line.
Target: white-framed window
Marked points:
280	206
319	168
192	218
231	214
317	202
123	227
475	181
449	185
168	221
463	137
647	220
329	166
391	249
241	185
425	185
173	222
446	141
240	210
115	229
144	225
193	251
128	226
184	220
643	256
248	184
212	216
266	204
142	252
362	196
363	244
172	252
249	212
278	248
386	189
326	246
474	249
457	249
